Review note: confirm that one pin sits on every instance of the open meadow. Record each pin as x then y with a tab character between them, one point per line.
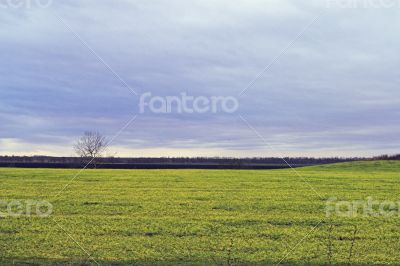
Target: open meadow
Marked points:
202	217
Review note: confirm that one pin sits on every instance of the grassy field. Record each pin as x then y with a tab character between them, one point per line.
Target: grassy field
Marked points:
201	217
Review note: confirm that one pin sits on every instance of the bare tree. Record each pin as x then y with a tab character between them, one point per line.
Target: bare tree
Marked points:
91	146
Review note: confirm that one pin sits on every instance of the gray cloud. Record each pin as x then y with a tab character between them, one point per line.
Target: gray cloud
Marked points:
334	91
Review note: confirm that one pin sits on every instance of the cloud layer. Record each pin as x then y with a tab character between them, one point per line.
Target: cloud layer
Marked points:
333	92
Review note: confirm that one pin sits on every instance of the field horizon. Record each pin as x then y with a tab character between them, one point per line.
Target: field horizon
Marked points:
215	133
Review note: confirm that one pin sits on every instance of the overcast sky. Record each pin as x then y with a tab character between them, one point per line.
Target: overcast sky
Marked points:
330	85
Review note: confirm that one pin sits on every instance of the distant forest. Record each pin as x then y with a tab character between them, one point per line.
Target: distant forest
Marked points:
176	163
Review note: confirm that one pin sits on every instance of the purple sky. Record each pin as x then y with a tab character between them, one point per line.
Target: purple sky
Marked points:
331	87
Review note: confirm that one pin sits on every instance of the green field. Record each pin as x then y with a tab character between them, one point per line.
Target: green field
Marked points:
201	217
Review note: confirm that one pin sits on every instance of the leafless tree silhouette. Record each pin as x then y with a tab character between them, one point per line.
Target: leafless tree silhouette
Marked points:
91	146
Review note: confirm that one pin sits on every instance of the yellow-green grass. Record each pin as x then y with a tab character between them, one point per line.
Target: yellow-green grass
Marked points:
201	217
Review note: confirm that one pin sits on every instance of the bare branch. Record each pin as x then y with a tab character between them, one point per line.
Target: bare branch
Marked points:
91	145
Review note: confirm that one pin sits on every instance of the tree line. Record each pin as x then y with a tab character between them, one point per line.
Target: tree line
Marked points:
91	146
